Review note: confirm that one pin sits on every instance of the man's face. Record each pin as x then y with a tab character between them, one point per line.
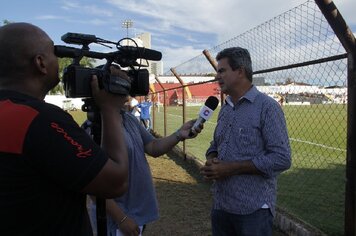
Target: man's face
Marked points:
51	61
227	78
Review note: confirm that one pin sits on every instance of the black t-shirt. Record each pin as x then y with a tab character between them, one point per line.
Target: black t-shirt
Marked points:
45	160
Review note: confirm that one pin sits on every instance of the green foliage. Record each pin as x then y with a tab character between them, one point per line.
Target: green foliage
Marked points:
6	22
79	116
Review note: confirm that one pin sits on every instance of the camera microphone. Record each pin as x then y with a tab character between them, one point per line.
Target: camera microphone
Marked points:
141	52
205	113
75	38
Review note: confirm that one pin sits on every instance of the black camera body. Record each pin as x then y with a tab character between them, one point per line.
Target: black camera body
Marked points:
76	78
76	81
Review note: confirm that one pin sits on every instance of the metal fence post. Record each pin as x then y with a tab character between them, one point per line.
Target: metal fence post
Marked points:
164	106
347	39
183	99
215	66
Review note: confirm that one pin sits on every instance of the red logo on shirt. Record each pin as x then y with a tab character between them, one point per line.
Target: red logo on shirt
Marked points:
82	153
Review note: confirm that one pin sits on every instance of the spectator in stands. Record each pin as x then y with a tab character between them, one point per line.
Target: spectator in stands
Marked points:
146	112
47	162
249	149
281	99
129	214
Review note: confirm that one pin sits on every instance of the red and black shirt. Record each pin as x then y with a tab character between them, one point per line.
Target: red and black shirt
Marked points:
45	160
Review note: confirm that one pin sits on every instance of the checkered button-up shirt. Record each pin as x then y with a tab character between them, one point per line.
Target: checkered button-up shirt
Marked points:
252	129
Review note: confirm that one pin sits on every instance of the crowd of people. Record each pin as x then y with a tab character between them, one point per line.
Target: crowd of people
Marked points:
49	165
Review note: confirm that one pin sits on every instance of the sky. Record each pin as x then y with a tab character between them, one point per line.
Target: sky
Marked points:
180	29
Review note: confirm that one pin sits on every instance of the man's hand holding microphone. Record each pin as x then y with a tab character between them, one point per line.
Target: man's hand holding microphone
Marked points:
192	128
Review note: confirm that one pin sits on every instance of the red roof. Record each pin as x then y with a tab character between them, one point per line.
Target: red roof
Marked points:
197	91
205	90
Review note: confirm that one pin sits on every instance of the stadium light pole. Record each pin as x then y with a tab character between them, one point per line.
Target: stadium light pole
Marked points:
127	24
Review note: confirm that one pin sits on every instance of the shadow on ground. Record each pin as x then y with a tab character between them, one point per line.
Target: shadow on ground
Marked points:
184	198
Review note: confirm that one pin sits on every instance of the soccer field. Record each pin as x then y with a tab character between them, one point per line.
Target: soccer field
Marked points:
313	189
315	185
319	129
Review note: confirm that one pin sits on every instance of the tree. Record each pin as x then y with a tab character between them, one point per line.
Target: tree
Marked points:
6	22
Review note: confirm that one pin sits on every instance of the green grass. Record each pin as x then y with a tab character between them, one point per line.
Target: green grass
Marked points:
79	116
313	189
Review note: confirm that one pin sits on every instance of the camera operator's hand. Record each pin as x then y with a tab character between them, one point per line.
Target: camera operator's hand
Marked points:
105	100
118	72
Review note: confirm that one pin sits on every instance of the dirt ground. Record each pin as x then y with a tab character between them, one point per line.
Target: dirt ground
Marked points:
184	199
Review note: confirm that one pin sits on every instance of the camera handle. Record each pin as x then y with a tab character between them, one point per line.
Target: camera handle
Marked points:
93	115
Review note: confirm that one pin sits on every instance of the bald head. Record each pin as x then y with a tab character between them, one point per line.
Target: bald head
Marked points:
19	43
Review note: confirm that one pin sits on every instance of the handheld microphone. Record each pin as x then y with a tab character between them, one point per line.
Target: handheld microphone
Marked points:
205	113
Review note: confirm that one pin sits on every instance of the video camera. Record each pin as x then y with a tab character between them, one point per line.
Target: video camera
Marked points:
76	78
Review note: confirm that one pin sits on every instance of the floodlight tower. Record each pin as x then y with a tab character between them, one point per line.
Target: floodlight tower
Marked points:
127	24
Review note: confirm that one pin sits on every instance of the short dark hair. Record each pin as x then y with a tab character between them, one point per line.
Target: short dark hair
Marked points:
237	58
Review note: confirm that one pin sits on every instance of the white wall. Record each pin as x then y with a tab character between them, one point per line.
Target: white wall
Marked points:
58	101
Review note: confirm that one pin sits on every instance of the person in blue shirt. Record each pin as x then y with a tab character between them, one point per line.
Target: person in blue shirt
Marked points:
145	114
250	147
129	214
138	207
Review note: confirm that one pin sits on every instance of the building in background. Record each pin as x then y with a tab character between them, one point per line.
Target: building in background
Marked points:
156	68
144	40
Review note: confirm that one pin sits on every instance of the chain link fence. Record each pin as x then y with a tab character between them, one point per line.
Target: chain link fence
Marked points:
299	61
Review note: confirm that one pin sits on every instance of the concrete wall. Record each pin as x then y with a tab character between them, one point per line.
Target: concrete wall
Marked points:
63	102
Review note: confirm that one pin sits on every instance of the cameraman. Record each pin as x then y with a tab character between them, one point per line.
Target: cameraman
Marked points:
129	214
47	162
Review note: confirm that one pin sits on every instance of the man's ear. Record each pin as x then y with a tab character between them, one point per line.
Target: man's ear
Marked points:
40	64
241	70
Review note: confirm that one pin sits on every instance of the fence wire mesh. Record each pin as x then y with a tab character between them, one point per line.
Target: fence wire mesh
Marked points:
294	61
